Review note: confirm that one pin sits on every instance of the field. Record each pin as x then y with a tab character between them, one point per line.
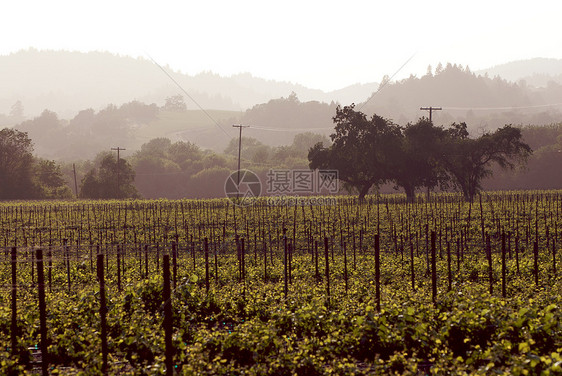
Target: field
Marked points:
202	287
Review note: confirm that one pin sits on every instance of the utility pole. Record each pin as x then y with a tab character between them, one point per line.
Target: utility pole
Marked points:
118	185
240	126
75	182
430	109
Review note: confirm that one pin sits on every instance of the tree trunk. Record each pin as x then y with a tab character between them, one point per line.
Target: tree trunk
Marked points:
468	193
471	189
410	193
363	191
466	190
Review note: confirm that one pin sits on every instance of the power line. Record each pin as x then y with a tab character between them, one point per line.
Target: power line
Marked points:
75	182
189	96
383	84
503	108
118	159
273	129
239	126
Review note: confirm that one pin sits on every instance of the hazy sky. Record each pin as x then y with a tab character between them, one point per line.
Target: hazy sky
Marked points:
320	44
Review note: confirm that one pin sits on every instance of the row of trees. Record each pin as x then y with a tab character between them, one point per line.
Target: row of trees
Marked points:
372	151
89	131
176	169
367	152
159	169
23	176
109	178
182	169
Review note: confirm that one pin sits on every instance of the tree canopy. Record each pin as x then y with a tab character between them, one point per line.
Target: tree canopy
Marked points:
468	160
16	162
416	162
49	180
361	149
110	179
369	152
23	176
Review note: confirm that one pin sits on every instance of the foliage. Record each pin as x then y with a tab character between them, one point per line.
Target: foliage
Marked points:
22	176
49	180
452	86
369	152
16	163
111	179
164	169
209	182
247	326
362	149
175	103
289	114
469	160
416	162
89	131
16	111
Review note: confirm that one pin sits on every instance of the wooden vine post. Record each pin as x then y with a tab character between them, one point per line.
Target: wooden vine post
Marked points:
490	270
327	257
167	298
285	260
103	312
536	262
207	265
14	325
433	269
42	314
504	267
377	273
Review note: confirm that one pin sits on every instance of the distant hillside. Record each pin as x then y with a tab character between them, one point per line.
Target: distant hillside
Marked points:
128	126
535	72
96	101
279	120
67	82
484	103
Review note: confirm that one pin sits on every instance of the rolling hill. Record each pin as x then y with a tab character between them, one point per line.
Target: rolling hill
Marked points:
537	72
68	82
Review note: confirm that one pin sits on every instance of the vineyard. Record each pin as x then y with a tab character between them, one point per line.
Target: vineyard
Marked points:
439	286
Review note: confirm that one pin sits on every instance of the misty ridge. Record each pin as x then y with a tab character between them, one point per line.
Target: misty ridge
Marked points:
67	82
